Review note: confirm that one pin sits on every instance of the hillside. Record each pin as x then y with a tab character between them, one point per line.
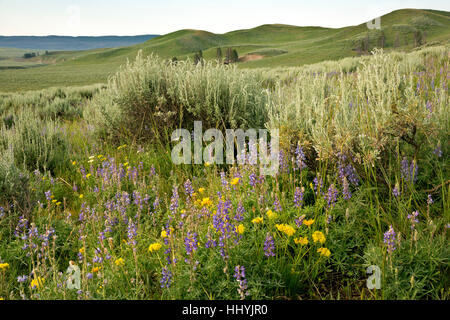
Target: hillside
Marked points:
264	46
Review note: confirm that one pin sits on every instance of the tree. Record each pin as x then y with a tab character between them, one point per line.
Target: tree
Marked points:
234	56
198	57
219	54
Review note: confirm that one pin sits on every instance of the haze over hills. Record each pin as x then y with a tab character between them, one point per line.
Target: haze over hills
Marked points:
272	45
71	43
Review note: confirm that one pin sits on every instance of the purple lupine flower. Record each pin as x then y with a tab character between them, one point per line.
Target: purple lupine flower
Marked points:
174	201
269	246
277	205
438	151
429	107
240	210
48	195
132	233
239	275
166	279
299	220
298	196
389	239
429	200
331	196
409	171
413	218
89	275
2	212
318	182
22	279
188	189
300	157
283	161
396	190
191	243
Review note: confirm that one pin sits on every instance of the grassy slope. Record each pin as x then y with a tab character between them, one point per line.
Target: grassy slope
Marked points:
297	45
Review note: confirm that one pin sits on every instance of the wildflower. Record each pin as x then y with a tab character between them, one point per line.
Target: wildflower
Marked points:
81	196
299	221
300	157
37	282
74	163
235	181
257	220
276	204
154	247
438	151
4	266
430	200
191	243
318	237
331	196
206	202
301	240
119	262
298	196
240	229
188	189
324	252
287	229
166	279
269	246
239	275
88	175
271	214
389	239
413	218
207	164
89	275
96	269
308	222
201	190
396	190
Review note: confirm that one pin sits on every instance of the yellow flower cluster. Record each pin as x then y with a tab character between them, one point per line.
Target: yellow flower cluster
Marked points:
257	220
240	229
120	262
4	266
271	214
287	229
308	222
37	282
164	233
324	252
154	247
302	240
235	181
318	237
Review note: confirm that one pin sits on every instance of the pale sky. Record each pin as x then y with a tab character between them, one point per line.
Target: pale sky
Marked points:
135	17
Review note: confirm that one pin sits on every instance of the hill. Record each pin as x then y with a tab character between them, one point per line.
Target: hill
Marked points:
274	45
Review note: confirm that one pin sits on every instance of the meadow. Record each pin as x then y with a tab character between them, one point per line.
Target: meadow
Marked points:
87	182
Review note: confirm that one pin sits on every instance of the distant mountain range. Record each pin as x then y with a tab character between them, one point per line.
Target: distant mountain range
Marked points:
71	43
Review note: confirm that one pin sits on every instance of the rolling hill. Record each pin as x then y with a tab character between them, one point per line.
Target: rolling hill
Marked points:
274	45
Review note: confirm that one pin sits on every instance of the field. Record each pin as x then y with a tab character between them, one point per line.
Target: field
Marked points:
93	207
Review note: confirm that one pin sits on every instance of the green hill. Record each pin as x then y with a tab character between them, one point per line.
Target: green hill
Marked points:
264	46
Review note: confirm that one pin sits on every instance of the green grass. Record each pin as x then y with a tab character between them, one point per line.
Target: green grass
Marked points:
299	46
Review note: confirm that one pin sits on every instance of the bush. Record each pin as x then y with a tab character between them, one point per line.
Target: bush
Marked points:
150	96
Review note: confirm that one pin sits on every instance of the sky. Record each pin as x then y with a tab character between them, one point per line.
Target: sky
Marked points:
136	17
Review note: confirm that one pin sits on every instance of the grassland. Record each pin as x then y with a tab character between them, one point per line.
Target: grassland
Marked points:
280	46
87	180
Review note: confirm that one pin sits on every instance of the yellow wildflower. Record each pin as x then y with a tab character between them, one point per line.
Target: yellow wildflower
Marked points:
271	214
308	222
201	190
82	250
235	181
81	196
206	202
154	247
318	237
207	164
74	163
287	229
4	266
88	175
119	262
54	201
302	240
96	269
240	229
37	282
257	220
324	252
58	203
